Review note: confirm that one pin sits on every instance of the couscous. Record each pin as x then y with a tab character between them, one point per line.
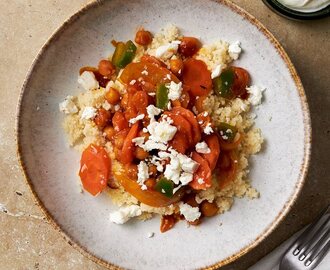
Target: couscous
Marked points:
165	128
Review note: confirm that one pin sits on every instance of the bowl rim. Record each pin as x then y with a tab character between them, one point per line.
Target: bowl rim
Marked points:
292	14
286	207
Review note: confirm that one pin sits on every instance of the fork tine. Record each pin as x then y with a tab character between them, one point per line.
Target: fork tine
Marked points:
318	246
314	237
319	256
304	240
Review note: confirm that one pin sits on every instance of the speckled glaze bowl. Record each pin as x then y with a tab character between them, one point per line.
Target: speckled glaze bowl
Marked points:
50	167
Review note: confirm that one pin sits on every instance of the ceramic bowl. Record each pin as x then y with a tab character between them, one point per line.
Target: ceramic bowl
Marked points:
50	166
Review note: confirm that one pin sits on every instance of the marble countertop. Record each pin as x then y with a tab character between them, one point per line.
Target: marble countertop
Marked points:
28	242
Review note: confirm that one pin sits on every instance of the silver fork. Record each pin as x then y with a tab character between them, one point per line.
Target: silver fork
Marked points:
310	247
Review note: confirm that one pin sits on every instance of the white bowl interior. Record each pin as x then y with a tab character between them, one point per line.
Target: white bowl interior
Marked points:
52	166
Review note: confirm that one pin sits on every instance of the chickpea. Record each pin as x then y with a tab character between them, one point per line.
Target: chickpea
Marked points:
140	153
143	37
176	66
106	68
112	96
153	170
109	132
150	183
189	46
209	209
102	118
190	199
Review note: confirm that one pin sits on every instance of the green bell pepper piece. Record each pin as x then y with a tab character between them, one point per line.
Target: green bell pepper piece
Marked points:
162	97
227	132
165	187
223	84
124	54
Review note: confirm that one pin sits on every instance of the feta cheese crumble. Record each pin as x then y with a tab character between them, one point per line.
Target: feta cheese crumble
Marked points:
216	71
151	234
200	181
136	119
202	148
88	113
143	174
68	106
161	131
153	111
208	129
235	49
168	50
123	214
255	92
174	90
87	80
190	213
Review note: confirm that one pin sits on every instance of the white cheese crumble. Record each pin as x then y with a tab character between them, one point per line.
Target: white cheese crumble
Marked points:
174	90
208	129
88	113
202	148
161	131
132	82
143	174
106	105
216	71
190	213
124	214
234	50
168	50
255	92
152	111
151	234
181	167
200	181
136	119
144	72
68	106
87	80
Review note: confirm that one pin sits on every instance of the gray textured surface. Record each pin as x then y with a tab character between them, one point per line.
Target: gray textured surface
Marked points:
28	242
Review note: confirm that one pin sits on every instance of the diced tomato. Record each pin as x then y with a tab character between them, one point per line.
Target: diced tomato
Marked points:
203	172
140	102
167	222
213	143
197	77
119	121
189	46
241	81
192	120
127	153
95	168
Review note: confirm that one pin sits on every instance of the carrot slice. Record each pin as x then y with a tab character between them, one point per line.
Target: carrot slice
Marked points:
192	120
180	142
213	143
95	167
127	153
196	75
203	172
182	124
